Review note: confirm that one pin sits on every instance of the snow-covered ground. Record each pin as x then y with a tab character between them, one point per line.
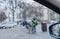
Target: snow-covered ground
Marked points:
19	32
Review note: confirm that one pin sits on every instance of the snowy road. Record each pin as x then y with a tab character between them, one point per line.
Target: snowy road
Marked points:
20	33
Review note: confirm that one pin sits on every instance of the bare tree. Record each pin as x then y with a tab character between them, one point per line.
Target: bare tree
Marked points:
2	16
13	7
25	7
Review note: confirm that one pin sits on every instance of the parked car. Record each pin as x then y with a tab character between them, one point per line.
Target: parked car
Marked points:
6	24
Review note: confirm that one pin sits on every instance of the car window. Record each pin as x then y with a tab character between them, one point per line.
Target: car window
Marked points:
20	11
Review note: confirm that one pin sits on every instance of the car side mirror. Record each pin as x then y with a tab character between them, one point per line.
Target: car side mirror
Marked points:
54	30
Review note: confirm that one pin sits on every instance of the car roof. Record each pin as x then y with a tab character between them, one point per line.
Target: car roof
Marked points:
52	4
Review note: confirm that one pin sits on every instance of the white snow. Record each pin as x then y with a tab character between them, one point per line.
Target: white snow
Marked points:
20	32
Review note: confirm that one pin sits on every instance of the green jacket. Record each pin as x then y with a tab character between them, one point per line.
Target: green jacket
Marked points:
34	22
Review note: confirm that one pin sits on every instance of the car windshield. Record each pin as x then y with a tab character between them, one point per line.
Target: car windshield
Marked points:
16	15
